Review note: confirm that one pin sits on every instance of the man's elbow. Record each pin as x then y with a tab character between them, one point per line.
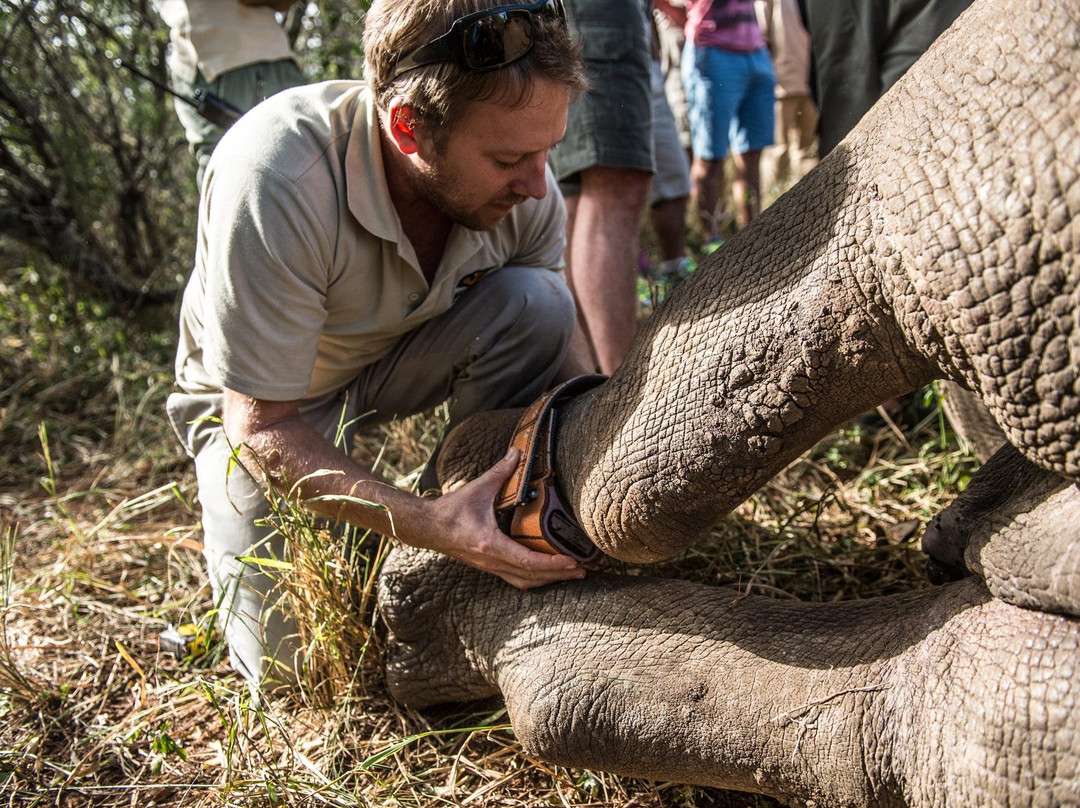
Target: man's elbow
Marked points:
252	427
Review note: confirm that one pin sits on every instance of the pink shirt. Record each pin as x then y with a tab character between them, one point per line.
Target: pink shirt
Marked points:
730	25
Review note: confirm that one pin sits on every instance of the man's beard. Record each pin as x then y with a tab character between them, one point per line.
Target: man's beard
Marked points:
435	187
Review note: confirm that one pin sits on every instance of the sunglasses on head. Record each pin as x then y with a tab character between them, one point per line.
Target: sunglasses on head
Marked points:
484	40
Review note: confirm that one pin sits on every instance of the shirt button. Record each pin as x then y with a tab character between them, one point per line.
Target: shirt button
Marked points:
414	297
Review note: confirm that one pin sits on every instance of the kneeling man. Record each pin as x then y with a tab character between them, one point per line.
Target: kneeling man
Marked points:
367	250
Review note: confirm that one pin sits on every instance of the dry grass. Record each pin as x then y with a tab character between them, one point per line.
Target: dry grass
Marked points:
92	713
100	550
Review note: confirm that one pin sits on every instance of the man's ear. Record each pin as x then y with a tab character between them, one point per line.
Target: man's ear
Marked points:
402	125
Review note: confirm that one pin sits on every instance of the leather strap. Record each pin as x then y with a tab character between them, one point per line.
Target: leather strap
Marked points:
529	507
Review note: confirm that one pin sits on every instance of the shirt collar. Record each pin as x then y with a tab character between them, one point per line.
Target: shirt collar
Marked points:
369	194
365	174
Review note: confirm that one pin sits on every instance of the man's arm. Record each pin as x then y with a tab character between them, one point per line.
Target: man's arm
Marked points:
677	14
277	444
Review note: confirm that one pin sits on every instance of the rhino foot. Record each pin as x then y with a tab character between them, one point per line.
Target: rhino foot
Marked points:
1006	484
419	595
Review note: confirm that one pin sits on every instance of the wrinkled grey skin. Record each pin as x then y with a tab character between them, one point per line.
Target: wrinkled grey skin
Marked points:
971	421
938	241
947	696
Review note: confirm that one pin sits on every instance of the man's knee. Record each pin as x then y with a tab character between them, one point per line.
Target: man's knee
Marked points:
546	304
624	186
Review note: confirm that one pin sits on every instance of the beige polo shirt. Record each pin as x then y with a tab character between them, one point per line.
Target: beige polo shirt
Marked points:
303	275
218	35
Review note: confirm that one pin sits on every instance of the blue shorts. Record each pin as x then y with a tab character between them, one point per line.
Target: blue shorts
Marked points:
731	97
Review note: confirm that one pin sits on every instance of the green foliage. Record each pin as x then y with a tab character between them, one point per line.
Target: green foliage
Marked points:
47	328
93	173
164	746
330	43
50	335
67	360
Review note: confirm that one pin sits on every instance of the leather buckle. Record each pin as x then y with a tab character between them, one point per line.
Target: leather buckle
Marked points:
530	507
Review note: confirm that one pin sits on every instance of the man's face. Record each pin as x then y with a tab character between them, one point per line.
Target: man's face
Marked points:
495	158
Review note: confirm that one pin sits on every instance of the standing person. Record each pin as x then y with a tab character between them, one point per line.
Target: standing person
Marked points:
729	84
234	49
788	42
670	184
672	41
605	166
861	48
369	250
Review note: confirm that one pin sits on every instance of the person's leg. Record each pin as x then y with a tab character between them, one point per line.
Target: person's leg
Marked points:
776	160
234	510
846	54
752	130
713	93
671	182
787	136
243	87
746	186
601	264
707	189
668	217
608	145
803	133
580	356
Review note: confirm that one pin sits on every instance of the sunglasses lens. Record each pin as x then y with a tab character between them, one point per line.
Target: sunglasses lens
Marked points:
488	39
498	39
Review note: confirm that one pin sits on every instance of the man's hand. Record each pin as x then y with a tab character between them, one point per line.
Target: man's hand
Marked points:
465	529
460	524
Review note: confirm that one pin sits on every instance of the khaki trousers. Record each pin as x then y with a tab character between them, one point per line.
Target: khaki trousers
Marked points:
243	87
796	133
499	345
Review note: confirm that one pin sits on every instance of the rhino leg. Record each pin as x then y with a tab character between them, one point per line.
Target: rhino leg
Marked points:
1006	482
945	696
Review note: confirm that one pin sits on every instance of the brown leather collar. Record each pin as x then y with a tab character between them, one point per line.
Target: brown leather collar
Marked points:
529	507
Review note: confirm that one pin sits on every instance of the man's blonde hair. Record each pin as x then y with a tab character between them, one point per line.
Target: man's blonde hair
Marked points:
440	93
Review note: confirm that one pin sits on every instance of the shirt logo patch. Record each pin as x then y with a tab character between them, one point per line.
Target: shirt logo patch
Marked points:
472	278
